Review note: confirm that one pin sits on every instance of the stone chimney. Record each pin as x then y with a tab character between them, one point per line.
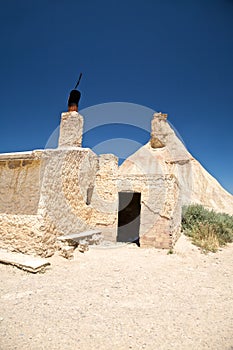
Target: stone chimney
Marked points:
71	126
71	130
73	100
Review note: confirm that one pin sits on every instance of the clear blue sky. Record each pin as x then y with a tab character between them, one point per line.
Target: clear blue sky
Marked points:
174	56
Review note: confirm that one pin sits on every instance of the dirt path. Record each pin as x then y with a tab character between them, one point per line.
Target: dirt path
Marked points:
122	298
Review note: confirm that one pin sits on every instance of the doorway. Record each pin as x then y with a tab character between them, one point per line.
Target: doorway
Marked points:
129	208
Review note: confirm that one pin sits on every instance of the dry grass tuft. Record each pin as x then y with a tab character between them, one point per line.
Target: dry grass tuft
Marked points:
208	230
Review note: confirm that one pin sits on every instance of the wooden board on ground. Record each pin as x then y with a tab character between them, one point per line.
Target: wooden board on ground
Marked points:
23	261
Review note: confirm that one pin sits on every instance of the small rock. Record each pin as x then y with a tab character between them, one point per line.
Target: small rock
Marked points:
106	292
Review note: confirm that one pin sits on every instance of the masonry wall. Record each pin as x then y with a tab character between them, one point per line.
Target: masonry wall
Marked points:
21	228
29	234
69	176
19	183
104	203
160	217
162	229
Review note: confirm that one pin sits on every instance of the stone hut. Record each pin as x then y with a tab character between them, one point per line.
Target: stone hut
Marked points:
48	193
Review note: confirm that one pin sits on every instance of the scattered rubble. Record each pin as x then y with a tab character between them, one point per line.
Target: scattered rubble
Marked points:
81	240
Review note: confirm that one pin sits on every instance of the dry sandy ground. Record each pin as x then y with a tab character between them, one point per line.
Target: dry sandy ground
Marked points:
121	298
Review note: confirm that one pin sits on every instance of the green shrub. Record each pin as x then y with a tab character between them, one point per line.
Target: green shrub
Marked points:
209	230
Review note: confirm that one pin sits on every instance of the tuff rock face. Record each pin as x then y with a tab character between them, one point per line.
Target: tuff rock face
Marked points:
195	183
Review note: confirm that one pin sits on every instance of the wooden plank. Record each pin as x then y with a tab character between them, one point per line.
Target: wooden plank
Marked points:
79	236
23	261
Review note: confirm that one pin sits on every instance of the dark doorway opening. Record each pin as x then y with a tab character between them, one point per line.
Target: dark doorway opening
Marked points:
129	208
